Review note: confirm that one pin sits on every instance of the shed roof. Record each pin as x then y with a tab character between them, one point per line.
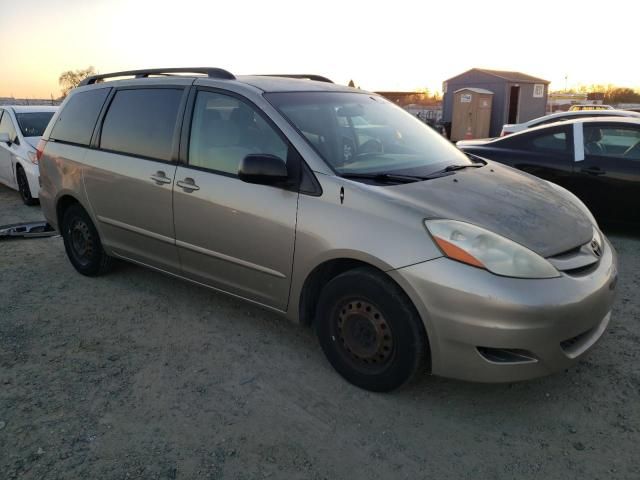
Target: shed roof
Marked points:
505	75
475	90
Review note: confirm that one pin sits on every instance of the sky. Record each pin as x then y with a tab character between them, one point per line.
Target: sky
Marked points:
381	45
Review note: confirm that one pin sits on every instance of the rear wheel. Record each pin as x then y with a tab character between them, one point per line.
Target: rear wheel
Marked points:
82	243
23	187
370	331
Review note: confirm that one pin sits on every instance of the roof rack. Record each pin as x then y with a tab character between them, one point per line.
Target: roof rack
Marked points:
304	76
209	71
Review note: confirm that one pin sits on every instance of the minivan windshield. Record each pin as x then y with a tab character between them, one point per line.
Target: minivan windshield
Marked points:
360	133
33	124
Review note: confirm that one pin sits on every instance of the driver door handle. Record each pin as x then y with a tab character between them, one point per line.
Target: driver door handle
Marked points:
188	184
593	171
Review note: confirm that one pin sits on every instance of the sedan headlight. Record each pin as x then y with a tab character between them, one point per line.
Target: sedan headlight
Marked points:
32	157
481	248
597	245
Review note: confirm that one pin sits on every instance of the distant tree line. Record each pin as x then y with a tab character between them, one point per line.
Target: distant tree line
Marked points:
421	97
424	97
612	93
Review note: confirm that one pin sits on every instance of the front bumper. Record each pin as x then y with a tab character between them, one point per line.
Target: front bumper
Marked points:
467	310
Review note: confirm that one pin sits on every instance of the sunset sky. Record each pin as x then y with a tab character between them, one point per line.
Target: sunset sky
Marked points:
394	45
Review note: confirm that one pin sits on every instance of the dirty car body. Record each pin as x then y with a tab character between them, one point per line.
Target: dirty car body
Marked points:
368	188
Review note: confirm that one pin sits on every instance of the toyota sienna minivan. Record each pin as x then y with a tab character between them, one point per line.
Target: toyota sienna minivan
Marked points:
336	208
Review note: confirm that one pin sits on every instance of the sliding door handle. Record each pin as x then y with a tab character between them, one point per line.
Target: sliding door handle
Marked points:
188	185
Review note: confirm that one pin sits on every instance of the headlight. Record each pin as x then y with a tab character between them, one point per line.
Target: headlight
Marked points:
32	157
596	242
481	248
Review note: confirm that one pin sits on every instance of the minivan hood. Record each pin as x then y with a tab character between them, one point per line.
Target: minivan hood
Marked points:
508	202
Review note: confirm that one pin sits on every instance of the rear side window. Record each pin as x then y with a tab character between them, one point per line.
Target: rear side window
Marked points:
33	124
78	118
552	142
142	122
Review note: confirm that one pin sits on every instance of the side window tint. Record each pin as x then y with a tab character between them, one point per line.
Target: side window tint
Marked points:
611	141
225	129
555	142
142	122
78	117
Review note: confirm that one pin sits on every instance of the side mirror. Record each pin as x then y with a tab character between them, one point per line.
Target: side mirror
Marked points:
263	169
4	138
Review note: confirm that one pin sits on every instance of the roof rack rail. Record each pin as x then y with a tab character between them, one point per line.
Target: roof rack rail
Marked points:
211	72
303	76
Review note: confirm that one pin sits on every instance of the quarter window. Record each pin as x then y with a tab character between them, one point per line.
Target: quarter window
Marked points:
554	142
142	122
611	141
76	121
225	129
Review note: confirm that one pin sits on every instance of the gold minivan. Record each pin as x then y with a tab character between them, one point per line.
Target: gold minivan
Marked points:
336	208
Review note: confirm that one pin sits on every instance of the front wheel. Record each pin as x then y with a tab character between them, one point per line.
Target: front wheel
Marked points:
23	187
370	331
82	243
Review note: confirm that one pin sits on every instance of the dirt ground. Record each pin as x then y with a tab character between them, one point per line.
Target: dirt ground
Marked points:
138	375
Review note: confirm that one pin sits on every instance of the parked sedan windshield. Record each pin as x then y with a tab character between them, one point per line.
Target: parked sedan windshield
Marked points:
33	124
359	133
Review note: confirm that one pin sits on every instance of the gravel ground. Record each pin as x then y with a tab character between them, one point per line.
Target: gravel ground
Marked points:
138	375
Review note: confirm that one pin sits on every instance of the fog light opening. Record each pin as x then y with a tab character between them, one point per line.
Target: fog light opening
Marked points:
507	355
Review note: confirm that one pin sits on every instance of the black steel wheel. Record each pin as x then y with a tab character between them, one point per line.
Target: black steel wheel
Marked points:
82	243
370	330
23	187
363	336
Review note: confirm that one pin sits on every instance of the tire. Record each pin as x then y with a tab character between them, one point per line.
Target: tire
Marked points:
370	331
82	243
23	187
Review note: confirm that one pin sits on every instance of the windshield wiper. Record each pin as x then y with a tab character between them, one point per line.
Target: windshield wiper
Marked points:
398	178
475	159
453	168
384	177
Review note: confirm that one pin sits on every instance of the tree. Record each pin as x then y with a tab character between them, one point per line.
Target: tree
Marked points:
351	84
71	78
611	93
622	95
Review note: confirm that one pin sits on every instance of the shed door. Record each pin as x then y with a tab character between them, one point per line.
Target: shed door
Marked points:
482	117
514	104
462	114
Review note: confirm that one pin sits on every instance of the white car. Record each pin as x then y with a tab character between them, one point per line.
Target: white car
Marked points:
560	116
20	130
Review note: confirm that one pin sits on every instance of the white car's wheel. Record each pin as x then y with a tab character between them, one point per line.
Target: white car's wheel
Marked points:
23	187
